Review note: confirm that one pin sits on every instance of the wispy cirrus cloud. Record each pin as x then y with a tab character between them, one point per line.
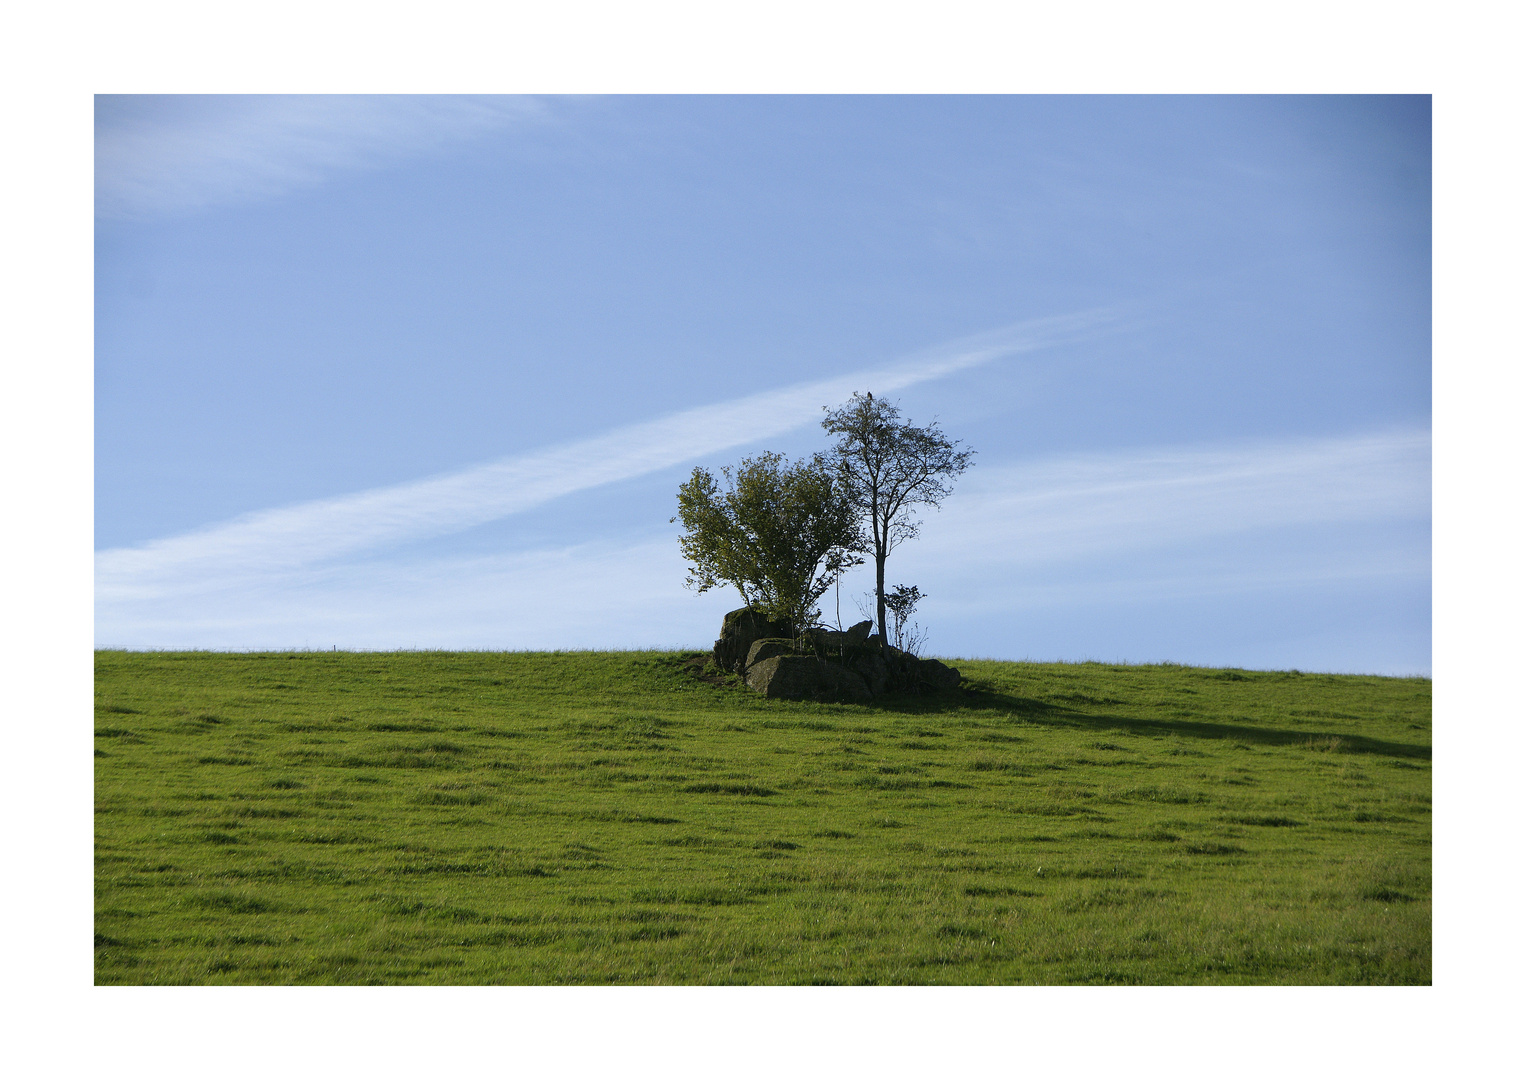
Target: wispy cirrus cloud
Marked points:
169	154
290	538
1168	525
1152	526
1083	506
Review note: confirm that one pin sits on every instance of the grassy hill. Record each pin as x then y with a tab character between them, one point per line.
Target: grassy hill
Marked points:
609	818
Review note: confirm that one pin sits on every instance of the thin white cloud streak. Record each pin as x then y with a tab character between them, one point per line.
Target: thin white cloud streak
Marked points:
174	154
1095	531
609	595
290	537
1083	506
596	595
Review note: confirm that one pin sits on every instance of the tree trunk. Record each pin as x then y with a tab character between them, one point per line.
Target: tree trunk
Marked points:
879	599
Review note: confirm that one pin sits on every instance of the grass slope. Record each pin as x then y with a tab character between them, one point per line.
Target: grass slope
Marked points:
608	818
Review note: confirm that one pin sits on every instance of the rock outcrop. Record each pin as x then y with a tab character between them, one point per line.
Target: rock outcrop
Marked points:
739	629
765	648
870	666
833	640
800	678
936	675
824	665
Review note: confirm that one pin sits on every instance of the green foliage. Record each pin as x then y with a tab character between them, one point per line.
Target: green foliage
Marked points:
610	818
780	532
901	602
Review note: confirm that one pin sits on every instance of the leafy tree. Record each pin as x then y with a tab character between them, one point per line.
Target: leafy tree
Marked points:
902	601
890	467
780	532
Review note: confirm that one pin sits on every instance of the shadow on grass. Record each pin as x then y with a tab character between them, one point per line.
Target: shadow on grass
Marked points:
976	700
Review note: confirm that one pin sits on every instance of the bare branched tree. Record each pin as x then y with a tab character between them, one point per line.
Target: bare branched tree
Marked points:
890	467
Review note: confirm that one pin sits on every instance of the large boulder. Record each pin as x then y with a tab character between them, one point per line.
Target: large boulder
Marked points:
833	640
870	666
739	630
936	675
801	678
765	648
848	665
909	673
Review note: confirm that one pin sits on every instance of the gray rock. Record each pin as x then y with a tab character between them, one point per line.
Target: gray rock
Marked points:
800	678
938	676
853	636
739	630
858	633
765	648
871	667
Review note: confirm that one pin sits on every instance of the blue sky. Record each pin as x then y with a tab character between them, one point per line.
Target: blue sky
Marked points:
427	372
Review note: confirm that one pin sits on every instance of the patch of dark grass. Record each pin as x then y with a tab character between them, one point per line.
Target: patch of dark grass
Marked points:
965	930
1087	873
1266	820
266	812
990	765
1106	897
880	782
641	725
332	837
728	789
409	907
798	725
1387	894
450	798
704	896
1170	795
656	932
233	903
628	817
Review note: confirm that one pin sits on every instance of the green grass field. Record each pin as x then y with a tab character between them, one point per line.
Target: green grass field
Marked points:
608	818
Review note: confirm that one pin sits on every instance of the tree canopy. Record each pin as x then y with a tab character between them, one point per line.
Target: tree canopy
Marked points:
888	467
781	532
